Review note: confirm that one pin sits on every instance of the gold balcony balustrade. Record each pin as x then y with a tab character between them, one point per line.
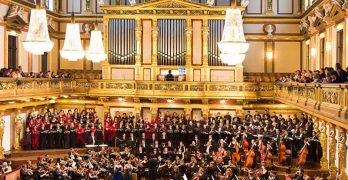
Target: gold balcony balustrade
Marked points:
11	88
329	100
169	89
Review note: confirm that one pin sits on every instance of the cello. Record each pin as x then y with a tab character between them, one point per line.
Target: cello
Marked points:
250	158
282	153
303	154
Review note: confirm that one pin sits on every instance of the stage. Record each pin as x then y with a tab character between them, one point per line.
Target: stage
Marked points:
19	157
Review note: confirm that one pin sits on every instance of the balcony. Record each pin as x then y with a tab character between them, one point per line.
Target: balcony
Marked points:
27	88
11	88
170	89
327	100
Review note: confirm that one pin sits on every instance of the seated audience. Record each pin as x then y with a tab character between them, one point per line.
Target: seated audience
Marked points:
325	75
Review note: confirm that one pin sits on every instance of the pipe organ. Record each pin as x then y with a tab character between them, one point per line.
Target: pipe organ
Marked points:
148	39
122	41
216	27
171	42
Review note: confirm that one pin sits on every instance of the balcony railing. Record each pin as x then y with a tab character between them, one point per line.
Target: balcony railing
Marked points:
328	99
167	89
23	87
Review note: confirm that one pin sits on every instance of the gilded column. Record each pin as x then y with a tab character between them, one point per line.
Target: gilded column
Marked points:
88	9
154	111
137	110
342	155
205	112
205	33
188	112
154	41
332	151
19	129
139	33
323	141
188	42
2	129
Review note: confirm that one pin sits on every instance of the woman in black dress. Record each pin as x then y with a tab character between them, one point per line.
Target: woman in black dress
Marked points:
66	137
43	134
72	135
27	139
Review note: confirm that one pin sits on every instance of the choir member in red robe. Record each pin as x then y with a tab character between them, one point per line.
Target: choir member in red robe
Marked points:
35	134
80	135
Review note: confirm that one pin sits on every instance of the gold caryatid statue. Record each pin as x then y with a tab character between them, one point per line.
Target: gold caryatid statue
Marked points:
19	129
2	129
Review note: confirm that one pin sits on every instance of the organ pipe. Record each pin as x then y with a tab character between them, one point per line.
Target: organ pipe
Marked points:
122	41
215	33
171	42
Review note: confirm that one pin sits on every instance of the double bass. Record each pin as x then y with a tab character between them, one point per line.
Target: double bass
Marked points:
282	153
250	158
236	156
303	154
268	157
245	145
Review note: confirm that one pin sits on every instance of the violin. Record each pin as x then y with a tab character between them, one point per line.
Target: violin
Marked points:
250	158
303	155
282	153
236	156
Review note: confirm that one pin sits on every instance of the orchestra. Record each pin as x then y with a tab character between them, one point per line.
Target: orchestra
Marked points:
175	146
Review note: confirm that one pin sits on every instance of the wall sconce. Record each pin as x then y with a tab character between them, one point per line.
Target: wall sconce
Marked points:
170	100
269	55
328	46
307	42
322	35
313	51
222	101
339	27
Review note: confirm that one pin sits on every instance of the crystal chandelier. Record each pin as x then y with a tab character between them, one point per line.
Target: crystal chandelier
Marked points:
38	39
72	49
96	52
233	45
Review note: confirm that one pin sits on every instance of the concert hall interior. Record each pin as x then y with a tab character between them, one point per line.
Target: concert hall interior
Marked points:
174	89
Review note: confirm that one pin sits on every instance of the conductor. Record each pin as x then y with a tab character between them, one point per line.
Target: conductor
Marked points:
169	76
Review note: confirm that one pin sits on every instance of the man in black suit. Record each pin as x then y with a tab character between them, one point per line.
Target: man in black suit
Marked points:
169	76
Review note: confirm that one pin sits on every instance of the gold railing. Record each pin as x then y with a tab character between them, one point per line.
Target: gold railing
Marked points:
167	89
328	99
12	88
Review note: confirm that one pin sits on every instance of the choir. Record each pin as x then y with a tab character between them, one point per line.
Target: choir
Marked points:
173	145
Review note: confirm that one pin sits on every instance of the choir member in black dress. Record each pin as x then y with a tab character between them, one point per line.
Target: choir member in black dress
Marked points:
72	135
66	137
27	139
59	137
51	137
99	132
43	134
